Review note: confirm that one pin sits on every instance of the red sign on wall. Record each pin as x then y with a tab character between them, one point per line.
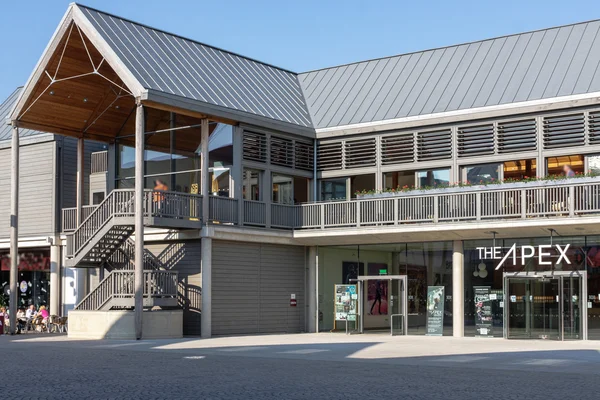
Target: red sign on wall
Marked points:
34	261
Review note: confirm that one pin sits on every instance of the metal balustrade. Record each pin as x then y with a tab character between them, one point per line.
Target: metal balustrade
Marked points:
223	209
565	198
99	162
255	213
69	217
119	285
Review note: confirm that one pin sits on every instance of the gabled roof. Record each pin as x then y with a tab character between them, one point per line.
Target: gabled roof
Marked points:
536	65
5	109
171	64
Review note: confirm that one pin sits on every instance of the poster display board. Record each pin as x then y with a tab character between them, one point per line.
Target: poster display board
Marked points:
483	310
435	310
346	302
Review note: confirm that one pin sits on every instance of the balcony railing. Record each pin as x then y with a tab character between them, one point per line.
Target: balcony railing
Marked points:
99	162
532	200
69	217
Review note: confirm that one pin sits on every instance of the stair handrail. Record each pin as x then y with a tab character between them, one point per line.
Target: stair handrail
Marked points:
120	284
108	208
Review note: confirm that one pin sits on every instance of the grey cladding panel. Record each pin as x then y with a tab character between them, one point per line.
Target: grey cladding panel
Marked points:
184	257
252	284
529	66
36	190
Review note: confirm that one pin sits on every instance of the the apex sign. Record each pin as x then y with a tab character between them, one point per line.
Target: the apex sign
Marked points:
525	253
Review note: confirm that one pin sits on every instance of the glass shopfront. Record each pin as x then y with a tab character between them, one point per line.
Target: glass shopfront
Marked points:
538	288
33	278
427	266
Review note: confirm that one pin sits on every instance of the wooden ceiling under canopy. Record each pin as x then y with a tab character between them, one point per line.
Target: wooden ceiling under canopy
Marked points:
80	95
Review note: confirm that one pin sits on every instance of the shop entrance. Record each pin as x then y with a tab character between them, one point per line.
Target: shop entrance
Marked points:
397	310
545	305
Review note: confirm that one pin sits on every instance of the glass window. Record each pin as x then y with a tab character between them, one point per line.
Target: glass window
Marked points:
433	177
301	190
359	183
393	180
519	169
484	173
283	189
594	164
252	184
565	165
333	189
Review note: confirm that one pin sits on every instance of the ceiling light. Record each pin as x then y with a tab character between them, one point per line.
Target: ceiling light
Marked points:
85	99
51	92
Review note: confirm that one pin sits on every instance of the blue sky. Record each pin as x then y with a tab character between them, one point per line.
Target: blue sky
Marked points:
299	35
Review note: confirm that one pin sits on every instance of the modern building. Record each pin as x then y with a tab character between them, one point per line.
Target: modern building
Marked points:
445	192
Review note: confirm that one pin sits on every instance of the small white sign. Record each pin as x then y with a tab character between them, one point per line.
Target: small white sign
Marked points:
354	296
493	296
483	331
513	299
293	296
589	304
501	304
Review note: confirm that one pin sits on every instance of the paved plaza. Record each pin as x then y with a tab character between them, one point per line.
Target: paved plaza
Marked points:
309	366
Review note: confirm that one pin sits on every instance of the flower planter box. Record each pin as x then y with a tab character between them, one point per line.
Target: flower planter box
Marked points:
479	188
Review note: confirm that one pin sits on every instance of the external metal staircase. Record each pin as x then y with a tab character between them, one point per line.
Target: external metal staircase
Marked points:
103	240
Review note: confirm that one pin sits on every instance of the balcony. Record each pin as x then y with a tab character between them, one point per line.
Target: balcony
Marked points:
532	201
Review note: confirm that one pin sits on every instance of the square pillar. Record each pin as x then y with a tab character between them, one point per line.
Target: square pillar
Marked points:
237	172
139	219
55	278
312	295
458	289
205	174
206	270
82	274
14	227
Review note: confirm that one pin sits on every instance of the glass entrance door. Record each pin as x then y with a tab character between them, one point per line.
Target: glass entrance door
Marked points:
543	307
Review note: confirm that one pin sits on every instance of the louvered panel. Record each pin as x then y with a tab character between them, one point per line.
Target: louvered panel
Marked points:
475	140
434	145
564	131
304	154
517	136
255	146
361	153
282	152
329	156
594	127
397	149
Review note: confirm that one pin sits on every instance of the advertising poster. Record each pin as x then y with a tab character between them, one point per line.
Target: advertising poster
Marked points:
483	310
351	270
435	310
346	300
377	291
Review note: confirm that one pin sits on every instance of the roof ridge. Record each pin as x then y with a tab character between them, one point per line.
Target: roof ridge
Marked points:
186	38
449	46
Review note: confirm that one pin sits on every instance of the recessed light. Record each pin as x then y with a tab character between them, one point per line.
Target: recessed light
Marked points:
51	92
85	100
117	107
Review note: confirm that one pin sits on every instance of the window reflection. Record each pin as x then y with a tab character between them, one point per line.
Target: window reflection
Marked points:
333	189
484	173
433	177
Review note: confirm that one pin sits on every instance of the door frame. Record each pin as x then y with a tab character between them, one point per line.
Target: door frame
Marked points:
583	298
403	293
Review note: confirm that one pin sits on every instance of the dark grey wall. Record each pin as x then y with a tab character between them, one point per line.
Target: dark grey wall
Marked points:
68	149
252	284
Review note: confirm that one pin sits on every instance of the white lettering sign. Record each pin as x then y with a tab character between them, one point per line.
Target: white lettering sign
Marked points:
527	252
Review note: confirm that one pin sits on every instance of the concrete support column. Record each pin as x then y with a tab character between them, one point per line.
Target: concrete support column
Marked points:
14	227
237	171
206	270
458	289
55	279
205	175
139	219
82	274
312	295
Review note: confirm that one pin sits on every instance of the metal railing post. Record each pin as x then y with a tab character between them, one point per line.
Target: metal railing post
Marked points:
523	203
322	207
436	209
571	204
396	205
358	203
478	206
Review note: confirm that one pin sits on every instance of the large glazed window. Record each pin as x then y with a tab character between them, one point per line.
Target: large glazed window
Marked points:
433	177
483	173
333	189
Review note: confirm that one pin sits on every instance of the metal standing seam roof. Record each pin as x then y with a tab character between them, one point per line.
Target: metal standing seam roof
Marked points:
171	64
536	65
5	109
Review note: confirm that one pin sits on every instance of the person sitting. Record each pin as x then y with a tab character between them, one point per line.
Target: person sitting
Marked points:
568	171
21	320
44	313
30	315
2	318
159	197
